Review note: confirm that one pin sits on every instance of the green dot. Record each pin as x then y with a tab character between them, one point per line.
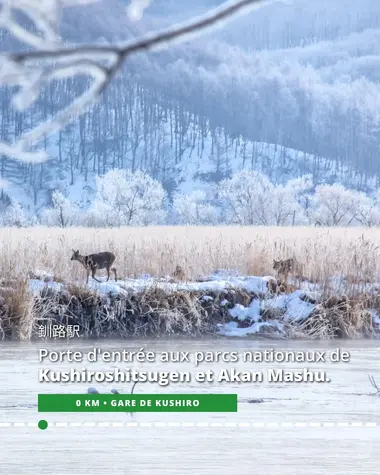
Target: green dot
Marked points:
43	424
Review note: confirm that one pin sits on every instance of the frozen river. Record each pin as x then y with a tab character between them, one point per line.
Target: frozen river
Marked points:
280	435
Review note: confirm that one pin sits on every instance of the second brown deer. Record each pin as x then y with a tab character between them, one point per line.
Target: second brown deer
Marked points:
284	268
94	262
179	273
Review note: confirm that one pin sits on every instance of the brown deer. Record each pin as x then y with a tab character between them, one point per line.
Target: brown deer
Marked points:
94	262
179	273
284	268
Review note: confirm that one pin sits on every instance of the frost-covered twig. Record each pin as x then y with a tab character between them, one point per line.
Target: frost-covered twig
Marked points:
374	384
50	59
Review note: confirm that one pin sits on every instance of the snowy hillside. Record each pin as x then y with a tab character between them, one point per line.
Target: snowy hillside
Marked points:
266	93
200	170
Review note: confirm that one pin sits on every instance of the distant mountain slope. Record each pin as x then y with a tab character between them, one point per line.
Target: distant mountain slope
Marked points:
202	169
199	111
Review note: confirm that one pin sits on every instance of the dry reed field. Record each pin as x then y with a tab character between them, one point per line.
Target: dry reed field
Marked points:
324	252
342	263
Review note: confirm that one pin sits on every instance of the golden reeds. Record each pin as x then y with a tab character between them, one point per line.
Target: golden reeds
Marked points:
353	253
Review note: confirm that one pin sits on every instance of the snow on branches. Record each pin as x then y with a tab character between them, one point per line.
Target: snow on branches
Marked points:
47	58
125	198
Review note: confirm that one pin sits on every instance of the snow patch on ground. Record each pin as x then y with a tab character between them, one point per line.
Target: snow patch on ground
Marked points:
44	275
206	298
37	285
252	284
231	329
251	313
298	310
375	318
295	308
292	306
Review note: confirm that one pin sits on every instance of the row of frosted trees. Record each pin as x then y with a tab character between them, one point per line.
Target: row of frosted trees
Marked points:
124	198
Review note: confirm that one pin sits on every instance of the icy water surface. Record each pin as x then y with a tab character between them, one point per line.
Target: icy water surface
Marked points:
198	450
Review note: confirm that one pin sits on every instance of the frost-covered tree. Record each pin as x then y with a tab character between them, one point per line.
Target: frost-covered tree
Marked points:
62	213
246	197
334	205
368	210
126	198
301	188
284	208
15	216
249	198
193	209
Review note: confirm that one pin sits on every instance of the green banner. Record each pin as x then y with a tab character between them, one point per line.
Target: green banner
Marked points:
137	403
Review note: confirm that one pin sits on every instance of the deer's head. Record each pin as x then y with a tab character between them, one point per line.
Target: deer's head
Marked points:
276	264
75	255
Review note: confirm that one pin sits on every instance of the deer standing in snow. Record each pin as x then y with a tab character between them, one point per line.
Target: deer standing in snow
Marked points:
94	262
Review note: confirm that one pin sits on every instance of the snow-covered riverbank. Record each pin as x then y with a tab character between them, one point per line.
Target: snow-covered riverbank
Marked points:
223	304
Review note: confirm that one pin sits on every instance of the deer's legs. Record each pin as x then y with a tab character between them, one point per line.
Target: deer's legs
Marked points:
108	274
114	271
93	276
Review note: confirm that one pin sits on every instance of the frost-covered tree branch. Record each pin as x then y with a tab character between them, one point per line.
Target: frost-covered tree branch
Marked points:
50	59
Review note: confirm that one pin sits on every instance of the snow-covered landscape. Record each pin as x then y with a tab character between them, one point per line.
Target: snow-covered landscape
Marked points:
190	201
247	144
291	108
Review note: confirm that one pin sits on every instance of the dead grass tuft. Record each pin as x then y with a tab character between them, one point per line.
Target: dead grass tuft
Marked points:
343	318
16	310
155	313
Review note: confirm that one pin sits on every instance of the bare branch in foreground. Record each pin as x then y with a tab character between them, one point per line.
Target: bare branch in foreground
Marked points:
179	32
26	70
374	384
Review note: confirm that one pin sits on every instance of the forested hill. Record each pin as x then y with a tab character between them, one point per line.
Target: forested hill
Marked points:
302	76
